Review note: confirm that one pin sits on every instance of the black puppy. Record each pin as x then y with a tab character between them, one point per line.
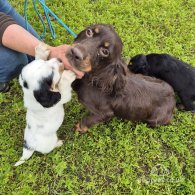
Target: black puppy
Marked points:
178	74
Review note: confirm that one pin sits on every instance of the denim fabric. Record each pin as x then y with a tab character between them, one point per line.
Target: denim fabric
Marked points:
12	62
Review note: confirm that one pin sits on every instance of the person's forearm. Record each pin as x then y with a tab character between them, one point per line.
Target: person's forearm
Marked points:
5	21
17	38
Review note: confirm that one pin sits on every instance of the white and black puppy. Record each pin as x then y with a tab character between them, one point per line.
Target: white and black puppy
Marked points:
46	87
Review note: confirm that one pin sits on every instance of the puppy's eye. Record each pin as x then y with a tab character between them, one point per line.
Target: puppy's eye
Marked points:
104	52
89	33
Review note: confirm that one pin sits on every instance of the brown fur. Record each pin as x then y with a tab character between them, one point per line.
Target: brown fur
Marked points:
109	89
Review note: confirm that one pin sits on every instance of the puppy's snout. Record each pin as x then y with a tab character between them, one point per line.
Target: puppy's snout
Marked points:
77	54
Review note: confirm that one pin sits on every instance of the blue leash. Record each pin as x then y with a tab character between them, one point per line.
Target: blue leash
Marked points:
47	11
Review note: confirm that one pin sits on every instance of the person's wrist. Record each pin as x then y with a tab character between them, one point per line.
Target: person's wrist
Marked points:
52	52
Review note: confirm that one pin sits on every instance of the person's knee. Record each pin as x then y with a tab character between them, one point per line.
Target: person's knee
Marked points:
12	65
20	61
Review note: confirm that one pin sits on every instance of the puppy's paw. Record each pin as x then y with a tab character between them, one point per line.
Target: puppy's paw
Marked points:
80	129
59	143
68	75
42	52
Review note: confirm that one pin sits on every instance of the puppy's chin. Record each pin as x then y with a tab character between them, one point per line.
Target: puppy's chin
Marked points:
84	69
83	66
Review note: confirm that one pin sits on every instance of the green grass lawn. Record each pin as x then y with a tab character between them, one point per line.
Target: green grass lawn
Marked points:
118	157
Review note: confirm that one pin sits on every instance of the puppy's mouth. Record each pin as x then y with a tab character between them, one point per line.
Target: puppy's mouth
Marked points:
79	60
85	65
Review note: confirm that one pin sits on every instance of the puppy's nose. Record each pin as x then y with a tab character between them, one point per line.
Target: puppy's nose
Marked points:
76	53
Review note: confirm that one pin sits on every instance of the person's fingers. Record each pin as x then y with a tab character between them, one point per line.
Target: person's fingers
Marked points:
66	63
78	73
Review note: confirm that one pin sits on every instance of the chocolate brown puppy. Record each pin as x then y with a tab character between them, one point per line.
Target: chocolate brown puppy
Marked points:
108	89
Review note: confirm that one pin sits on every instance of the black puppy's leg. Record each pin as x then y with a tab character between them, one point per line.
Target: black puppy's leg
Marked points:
91	120
180	106
188	102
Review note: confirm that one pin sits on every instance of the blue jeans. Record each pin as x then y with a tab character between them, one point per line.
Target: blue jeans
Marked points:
12	62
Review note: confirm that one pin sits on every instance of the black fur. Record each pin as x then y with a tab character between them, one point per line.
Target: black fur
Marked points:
25	84
44	96
180	75
26	146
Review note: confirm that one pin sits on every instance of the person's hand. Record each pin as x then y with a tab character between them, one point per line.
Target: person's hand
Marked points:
59	52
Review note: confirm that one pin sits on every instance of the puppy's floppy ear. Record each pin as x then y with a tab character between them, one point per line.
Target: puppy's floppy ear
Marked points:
119	75
143	60
44	96
115	82
139	64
